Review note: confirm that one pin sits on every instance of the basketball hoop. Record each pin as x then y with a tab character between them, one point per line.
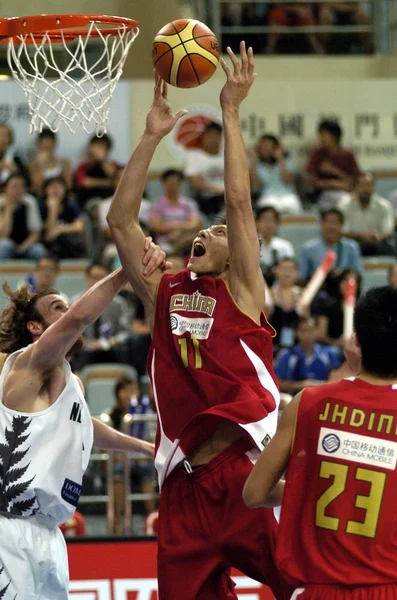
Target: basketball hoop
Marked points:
77	93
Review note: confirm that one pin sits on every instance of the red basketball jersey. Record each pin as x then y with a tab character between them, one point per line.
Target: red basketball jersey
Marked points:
208	361
339	519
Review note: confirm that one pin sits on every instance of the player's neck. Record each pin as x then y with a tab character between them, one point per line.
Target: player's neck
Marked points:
374	380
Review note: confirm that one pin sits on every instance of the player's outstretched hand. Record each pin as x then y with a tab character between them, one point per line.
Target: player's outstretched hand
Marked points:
161	120
239	82
154	258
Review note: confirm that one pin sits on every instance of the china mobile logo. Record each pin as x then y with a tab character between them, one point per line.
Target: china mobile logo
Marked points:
146	589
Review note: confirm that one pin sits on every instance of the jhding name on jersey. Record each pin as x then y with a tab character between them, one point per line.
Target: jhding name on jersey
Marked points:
193	303
357	417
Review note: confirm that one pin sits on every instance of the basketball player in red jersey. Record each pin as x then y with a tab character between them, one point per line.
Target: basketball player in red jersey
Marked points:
338	442
211	370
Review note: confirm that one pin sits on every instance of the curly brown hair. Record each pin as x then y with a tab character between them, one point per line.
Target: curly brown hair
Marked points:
14	333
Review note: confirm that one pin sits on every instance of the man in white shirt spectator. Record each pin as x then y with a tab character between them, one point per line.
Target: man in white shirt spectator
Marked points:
273	248
369	219
205	170
20	222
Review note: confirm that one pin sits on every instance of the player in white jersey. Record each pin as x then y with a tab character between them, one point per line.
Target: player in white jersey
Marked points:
46	432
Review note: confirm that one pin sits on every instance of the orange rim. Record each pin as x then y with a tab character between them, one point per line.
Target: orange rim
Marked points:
60	27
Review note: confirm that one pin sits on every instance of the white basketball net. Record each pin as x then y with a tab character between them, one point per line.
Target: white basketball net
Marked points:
78	95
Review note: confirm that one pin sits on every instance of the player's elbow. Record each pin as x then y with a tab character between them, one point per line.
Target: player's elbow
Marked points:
252	496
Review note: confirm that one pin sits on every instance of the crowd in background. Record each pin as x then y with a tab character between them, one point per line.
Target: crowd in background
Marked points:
47	208
296	15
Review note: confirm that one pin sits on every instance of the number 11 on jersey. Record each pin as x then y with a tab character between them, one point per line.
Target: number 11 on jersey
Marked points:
184	347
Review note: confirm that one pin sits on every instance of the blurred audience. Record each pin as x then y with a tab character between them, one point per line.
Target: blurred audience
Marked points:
45	164
45	274
174	219
327	308
20	222
64	229
285	294
344	13
306	364
95	177
273	248
10	160
129	402
291	14
347	251
205	170
392	275
332	169
369	219
106	340
272	176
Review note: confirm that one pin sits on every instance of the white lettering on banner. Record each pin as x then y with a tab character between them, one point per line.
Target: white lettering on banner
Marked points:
363	449
100	589
200	328
92	589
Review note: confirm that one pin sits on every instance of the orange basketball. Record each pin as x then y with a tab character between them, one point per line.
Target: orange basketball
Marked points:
185	53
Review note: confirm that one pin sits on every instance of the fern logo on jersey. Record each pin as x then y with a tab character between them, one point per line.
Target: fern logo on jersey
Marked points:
4	589
12	484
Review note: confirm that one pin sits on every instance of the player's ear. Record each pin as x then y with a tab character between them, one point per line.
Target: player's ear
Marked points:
35	327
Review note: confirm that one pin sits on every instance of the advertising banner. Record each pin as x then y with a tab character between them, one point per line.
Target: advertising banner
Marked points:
118	570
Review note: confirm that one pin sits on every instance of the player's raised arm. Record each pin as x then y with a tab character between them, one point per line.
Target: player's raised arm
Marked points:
123	216
246	281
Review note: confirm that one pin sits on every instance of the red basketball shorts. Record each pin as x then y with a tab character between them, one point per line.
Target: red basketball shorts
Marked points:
336	592
205	529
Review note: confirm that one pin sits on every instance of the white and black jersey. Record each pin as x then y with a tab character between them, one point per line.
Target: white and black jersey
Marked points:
43	455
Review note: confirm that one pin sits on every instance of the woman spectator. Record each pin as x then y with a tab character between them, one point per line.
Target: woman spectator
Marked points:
20	222
173	218
63	226
272	176
95	177
10	161
328	308
272	248
45	164
285	295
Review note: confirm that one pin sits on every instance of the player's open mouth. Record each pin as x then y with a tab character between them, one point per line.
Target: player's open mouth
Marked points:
198	249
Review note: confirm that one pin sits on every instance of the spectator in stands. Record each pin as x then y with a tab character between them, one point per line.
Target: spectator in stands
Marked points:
205	170
292	14
313	252
308	363
129	402
20	222
273	248
345	13
285	294
64	228
44	275
106	340
369	219
174	220
95	177
272	177
10	160
332	169
327	308
99	213
392	275
45	164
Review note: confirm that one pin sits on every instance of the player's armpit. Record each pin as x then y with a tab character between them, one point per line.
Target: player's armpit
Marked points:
260	486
